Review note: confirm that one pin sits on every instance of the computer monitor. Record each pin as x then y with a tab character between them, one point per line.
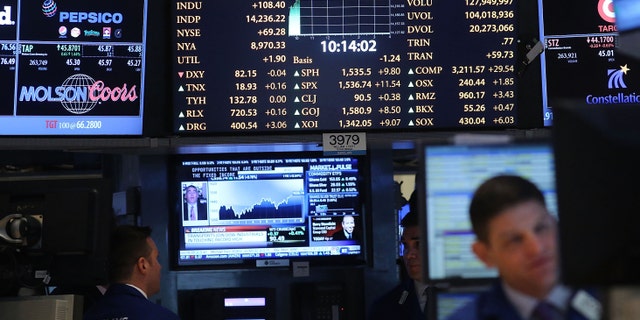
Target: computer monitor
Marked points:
449	175
448	301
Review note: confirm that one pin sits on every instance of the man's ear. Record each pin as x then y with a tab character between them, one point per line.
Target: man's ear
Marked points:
483	253
141	264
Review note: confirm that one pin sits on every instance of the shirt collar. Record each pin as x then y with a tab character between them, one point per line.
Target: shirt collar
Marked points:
420	287
524	304
142	292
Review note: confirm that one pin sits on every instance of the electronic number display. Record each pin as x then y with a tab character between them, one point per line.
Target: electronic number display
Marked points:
72	67
581	62
315	65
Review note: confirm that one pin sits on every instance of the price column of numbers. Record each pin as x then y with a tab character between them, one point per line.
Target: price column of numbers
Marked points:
390	105
8	51
487	91
108	57
357	83
267	20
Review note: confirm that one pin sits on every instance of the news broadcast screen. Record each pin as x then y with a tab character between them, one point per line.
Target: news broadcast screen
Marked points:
72	67
238	209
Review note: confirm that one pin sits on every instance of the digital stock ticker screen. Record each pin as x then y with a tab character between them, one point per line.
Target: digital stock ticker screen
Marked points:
72	67
581	61
316	65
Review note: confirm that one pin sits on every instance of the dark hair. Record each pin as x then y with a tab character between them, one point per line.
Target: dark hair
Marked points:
128	244
410	220
497	194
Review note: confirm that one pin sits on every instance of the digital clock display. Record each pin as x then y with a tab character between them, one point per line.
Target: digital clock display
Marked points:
72	67
368	65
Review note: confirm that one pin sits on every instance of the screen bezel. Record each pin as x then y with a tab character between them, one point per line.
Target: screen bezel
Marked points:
176	203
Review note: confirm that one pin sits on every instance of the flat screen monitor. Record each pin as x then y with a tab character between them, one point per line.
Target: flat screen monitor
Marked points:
582	59
72	67
374	65
597	152
268	209
450	173
447	302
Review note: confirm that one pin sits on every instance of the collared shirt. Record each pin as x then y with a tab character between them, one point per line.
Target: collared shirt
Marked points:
524	304
421	293
143	293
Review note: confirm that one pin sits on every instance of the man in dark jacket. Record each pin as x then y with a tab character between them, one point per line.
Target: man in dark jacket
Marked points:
407	300
193	209
516	235
134	272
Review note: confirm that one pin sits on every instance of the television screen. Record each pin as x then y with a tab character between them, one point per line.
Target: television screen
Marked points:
72	67
254	209
582	59
450	174
301	66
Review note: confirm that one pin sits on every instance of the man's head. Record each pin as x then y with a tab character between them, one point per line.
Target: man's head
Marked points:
515	233
411	243
133	258
191	194
348	224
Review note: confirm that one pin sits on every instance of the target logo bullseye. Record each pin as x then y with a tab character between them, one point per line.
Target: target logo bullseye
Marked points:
605	9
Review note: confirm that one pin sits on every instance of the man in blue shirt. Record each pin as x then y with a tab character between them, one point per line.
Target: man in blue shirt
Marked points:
516	235
134	272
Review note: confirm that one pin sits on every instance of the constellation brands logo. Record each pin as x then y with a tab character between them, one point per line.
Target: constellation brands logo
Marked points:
5	17
50	8
79	93
615	81
616	77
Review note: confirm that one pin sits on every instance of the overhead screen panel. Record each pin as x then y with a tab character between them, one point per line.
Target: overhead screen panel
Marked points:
317	65
72	67
582	61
